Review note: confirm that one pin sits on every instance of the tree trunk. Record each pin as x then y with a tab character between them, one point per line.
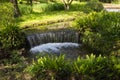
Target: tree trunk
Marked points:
16	8
67	4
27	2
31	2
67	7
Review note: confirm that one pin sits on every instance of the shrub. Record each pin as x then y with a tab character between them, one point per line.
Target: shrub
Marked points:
96	68
50	7
100	31
83	0
11	37
46	1
94	5
88	6
10	34
53	7
105	1
43	1
109	1
77	6
25	9
14	58
89	68
50	68
6	14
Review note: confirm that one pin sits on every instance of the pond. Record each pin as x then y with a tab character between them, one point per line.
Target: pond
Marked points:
71	50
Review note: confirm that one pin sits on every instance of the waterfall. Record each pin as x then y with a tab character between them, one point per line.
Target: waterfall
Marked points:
53	37
53	47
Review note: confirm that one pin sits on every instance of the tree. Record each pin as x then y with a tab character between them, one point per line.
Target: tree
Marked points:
16	8
29	2
67	4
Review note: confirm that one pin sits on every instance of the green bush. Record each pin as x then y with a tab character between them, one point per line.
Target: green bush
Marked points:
53	7
50	7
16	57
10	34
97	68
6	14
25	9
105	1
77	6
83	0
94	5
13	58
46	1
50	68
100	31
87	7
43	1
109	1
11	37
89	68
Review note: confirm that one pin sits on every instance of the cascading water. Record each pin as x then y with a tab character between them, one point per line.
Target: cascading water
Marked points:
53	37
53	47
53	41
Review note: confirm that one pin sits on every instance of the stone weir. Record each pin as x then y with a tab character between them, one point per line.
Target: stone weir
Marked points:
55	36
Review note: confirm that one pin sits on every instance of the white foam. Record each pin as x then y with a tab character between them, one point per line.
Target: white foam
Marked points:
52	47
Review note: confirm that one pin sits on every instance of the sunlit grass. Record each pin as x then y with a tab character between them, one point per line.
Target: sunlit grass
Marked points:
48	16
44	17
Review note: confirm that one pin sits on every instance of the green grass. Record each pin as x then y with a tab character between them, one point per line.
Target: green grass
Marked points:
40	17
54	16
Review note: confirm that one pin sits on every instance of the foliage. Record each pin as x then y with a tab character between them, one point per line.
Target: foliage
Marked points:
96	68
90	68
87	7
14	58
2	1
11	37
83	0
94	5
75	6
51	7
104	1
25	9
12	67
48	1
50	67
109	1
6	14
43	1
100	31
